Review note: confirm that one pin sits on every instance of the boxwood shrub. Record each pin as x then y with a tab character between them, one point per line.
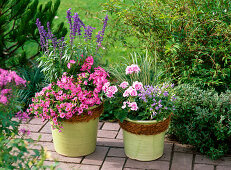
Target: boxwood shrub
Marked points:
203	119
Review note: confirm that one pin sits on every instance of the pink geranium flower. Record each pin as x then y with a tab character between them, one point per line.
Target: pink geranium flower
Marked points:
135	68
109	94
105	87
129	70
132	69
113	89
126	93
124	84
137	85
133	106
133	92
124	105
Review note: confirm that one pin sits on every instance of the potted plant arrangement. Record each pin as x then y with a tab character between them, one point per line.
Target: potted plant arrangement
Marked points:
72	102
144	114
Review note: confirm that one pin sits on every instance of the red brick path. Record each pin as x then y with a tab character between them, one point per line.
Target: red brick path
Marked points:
109	154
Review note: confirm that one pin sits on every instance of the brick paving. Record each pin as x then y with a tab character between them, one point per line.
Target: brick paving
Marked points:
109	154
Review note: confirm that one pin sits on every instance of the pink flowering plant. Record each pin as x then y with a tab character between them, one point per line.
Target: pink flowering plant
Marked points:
138	101
68	54
70	95
14	151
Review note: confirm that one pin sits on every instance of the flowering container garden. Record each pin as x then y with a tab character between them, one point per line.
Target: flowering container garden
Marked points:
144	140
144	115
79	134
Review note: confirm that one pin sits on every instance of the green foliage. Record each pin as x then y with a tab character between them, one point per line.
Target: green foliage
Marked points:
191	38
109	110
151	73
203	119
35	82
17	28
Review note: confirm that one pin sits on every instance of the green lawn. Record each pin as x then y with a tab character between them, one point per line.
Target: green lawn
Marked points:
90	12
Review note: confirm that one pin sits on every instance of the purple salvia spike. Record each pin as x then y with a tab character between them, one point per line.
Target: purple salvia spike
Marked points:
76	25
69	18
104	24
88	32
100	34
70	23
49	34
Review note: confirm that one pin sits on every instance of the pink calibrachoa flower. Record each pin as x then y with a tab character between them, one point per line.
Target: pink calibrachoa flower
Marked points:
87	64
69	65
69	96
124	84
72	61
3	99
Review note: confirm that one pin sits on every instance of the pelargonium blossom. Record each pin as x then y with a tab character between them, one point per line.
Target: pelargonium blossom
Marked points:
132	69
124	84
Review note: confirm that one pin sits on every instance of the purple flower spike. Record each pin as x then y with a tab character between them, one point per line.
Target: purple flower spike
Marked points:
100	34
88	32
49	34
42	33
76	25
69	18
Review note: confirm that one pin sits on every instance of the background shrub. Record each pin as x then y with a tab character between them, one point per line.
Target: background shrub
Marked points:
203	119
19	38
191	38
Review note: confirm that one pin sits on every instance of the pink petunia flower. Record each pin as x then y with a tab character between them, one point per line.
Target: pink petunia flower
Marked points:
72	61
62	115
69	65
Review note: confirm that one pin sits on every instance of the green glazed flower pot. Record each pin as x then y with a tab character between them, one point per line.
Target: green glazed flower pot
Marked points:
143	147
76	138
